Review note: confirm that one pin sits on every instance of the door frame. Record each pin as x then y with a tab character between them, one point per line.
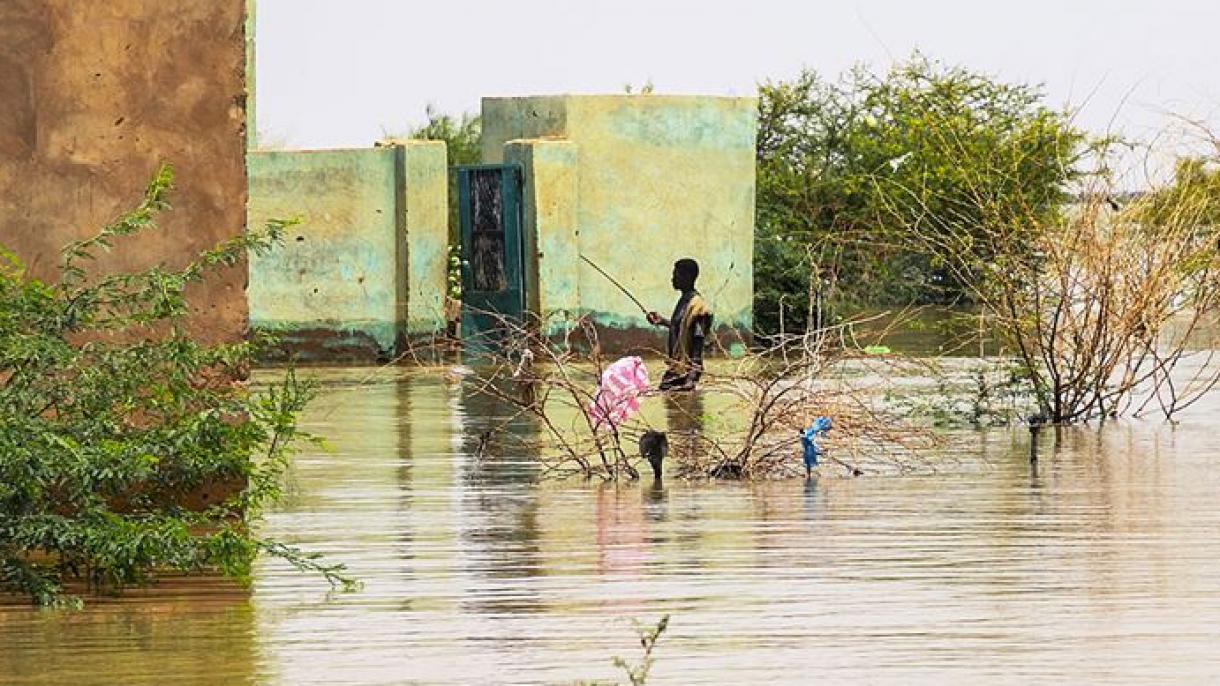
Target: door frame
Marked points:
478	326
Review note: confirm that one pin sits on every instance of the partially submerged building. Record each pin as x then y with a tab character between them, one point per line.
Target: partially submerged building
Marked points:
630	183
364	271
627	182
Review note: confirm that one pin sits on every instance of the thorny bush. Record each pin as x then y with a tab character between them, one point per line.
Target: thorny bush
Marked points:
764	400
126	448
1105	304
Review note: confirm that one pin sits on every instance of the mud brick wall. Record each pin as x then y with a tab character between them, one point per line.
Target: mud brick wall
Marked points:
93	97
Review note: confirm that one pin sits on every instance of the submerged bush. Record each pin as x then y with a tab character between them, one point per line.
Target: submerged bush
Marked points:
1107	305
126	448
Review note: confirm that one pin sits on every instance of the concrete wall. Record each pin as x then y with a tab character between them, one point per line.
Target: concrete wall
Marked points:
551	214
506	119
93	97
427	230
365	269
657	178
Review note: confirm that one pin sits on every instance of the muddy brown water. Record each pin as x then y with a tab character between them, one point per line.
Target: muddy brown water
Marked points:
1100	565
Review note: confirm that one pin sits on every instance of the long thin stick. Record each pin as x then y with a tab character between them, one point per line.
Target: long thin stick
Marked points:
616	283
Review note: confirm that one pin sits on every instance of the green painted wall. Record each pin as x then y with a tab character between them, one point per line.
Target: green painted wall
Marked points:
551	210
427	227
366	267
657	178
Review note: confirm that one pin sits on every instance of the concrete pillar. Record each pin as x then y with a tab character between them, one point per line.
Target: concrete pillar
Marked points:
425	217
552	237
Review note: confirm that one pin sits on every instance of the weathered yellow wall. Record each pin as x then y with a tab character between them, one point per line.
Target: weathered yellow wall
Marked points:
366	267
552	209
507	119
658	178
427	229
94	96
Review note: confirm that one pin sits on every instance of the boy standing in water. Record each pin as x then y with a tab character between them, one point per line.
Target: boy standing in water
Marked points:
688	329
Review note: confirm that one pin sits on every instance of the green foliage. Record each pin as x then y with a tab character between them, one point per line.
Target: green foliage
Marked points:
1099	302
453	278
646	89
1196	185
460	134
856	177
637	673
981	394
114	421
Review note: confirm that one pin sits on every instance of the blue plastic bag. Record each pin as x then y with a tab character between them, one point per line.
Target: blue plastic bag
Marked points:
812	451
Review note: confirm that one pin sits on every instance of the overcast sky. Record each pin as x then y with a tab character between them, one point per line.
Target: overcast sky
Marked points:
337	73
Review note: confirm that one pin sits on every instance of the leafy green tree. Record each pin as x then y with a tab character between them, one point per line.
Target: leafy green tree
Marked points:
856	176
114	425
460	133
1196	185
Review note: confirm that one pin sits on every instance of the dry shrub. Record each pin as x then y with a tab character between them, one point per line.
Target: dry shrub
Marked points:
826	371
764	399
1102	300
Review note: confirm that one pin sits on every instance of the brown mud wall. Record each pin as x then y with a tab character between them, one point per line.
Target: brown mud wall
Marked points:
94	95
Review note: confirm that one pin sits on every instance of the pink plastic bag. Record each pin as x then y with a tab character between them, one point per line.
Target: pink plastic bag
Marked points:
618	394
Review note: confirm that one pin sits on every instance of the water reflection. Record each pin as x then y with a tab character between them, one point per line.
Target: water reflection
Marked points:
656	501
174	632
685	420
1099	563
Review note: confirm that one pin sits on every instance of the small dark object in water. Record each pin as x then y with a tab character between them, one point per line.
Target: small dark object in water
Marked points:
1035	422
653	447
481	449
728	470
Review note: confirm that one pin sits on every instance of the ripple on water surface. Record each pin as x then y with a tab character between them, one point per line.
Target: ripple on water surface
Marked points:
1101	565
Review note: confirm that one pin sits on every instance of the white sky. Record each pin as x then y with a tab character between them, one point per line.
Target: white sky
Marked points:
337	73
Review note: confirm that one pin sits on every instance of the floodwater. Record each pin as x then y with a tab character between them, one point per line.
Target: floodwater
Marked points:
1100	565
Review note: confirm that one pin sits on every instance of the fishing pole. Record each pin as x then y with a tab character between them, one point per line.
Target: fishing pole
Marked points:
620	286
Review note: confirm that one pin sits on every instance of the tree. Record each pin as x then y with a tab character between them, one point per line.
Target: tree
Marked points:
114	423
460	133
1099	301
850	172
1196	184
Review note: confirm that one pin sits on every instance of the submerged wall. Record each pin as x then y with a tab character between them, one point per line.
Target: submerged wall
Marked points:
657	178
94	96
365	269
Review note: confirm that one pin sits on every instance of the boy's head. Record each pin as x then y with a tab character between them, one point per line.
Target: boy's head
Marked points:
686	271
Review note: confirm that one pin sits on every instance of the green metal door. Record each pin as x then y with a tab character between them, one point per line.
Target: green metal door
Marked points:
493	273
